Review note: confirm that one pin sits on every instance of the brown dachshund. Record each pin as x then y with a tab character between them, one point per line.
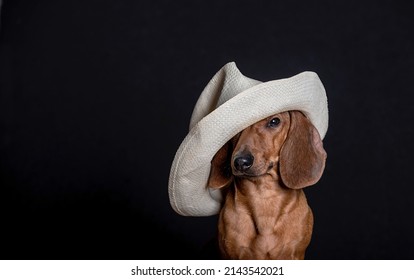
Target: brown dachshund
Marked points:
265	214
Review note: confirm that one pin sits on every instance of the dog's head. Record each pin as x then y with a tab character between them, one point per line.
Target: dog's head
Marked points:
285	146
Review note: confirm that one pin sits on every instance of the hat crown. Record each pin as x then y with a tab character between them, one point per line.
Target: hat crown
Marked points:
234	83
226	83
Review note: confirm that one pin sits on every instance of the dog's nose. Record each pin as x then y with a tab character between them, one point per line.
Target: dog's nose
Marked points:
243	162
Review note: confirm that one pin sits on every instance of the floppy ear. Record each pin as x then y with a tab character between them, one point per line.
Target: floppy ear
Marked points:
220	172
302	157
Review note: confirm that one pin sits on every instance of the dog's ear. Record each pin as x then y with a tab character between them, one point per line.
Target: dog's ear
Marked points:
220	172
302	157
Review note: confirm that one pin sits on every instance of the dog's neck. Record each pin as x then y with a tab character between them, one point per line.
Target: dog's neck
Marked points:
262	186
265	198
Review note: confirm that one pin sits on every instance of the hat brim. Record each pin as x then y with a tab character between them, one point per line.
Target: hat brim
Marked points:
188	191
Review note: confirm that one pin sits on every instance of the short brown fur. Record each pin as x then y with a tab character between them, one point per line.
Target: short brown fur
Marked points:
265	214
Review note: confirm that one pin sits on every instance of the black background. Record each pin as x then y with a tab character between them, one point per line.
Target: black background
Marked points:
96	97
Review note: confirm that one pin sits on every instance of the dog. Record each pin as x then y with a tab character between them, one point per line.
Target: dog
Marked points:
262	171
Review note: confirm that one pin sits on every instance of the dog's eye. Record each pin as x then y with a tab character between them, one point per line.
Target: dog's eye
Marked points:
274	122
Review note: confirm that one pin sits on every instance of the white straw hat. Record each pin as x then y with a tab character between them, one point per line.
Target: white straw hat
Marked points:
229	103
